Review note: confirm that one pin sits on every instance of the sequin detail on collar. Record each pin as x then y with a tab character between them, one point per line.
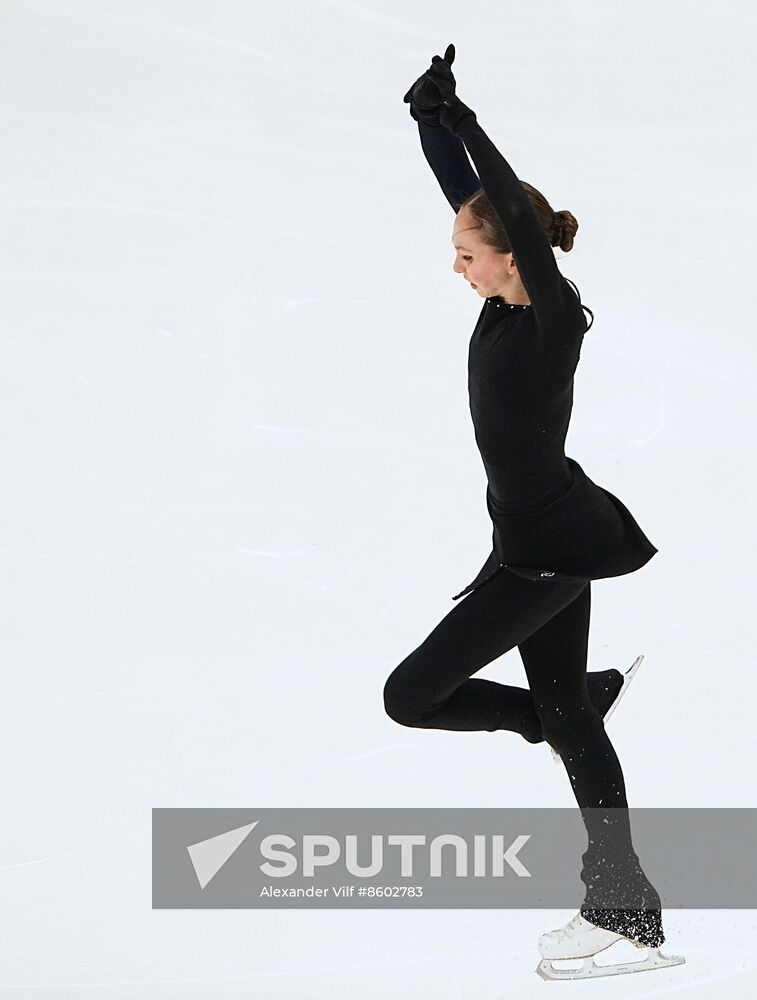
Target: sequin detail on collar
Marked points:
507	306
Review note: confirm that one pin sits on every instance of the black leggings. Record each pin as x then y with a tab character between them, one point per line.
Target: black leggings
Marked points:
548	620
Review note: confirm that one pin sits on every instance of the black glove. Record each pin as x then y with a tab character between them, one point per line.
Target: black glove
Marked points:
427	95
453	111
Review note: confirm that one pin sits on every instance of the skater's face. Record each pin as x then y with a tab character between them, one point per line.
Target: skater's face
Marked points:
487	270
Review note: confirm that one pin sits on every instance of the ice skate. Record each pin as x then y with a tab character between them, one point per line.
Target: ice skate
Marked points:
579	939
628	676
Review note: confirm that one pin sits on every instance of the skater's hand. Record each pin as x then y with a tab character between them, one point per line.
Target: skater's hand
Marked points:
453	111
427	95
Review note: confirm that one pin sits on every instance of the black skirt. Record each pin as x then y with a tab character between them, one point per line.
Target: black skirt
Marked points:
584	533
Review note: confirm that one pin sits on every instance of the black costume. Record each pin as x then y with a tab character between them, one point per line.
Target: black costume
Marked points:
549	519
554	531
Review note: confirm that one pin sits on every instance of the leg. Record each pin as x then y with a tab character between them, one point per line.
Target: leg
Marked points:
432	687
555	662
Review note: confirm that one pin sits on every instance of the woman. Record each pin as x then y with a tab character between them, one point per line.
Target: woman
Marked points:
554	530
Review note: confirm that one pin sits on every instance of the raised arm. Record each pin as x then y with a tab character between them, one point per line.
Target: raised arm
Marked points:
445	154
432	97
532	251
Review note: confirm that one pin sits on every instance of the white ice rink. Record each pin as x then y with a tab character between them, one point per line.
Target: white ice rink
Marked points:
239	478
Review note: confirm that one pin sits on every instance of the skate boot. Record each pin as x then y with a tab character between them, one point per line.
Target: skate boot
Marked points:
582	939
628	676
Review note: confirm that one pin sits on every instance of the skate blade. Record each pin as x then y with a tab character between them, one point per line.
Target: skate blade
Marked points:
627	678
591	970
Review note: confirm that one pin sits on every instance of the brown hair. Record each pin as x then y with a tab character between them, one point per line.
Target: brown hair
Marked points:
560	227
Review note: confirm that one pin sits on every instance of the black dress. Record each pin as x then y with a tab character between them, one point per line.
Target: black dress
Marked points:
550	521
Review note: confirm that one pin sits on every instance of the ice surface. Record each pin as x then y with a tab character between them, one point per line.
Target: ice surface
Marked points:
239	475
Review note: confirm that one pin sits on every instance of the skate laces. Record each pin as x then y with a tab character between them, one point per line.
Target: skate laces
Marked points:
571	925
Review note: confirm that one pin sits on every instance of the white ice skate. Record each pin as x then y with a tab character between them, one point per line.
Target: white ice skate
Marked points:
579	939
628	676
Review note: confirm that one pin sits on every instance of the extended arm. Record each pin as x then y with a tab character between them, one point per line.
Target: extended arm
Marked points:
533	254
445	154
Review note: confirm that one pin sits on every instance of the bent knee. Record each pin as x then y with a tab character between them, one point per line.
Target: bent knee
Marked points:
400	708
396	706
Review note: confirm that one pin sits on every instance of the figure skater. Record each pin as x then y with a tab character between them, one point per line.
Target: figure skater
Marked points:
554	530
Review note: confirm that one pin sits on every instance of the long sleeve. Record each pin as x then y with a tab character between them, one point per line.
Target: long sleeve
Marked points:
447	158
531	248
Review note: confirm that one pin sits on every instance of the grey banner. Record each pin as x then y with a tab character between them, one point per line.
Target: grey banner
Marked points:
488	858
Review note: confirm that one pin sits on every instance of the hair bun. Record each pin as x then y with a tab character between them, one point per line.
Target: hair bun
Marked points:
564	227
